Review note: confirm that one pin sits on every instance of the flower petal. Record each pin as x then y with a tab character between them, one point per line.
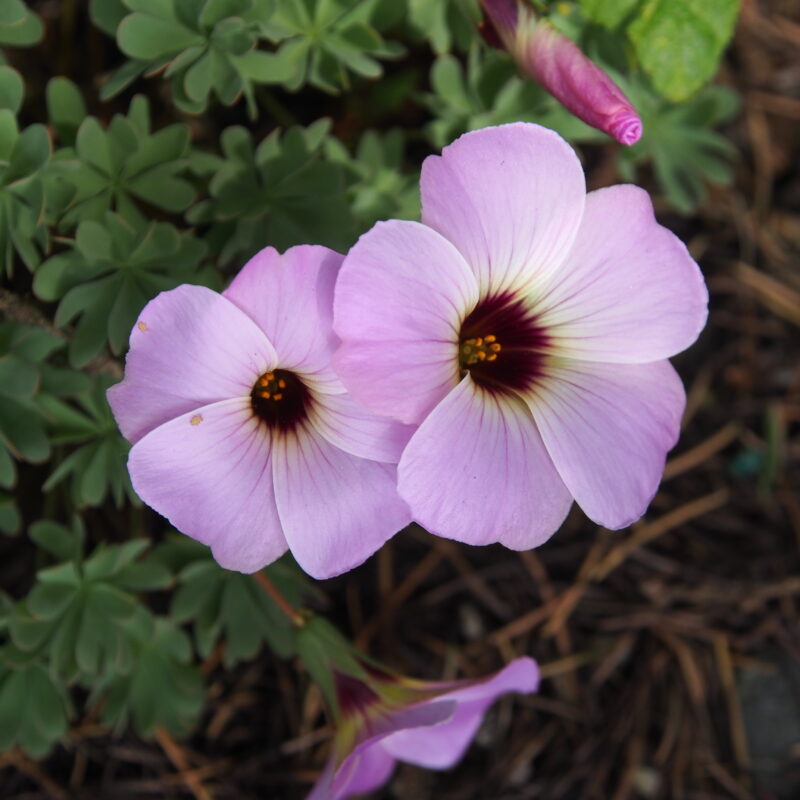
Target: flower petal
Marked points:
629	290
349	427
510	198
477	471
400	298
608	428
361	772
441	746
190	347
336	509
290	297
209	473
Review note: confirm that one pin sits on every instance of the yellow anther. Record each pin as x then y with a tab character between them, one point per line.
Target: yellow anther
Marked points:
265	395
480	348
278	396
281	384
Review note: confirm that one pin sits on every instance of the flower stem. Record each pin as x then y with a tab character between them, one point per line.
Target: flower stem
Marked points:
294	614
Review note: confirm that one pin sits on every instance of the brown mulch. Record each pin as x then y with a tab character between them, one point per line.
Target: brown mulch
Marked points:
670	651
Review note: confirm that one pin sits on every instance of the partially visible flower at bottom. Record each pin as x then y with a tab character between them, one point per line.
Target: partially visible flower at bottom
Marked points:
386	719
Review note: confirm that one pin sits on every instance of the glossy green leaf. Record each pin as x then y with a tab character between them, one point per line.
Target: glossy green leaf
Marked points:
679	42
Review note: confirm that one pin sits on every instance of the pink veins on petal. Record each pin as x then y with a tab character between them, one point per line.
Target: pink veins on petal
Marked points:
524	328
243	436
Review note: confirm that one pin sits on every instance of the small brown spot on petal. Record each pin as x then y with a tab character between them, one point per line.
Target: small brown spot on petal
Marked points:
196	419
142	326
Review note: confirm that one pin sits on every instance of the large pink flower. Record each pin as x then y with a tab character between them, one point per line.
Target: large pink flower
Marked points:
524	327
389	719
243	435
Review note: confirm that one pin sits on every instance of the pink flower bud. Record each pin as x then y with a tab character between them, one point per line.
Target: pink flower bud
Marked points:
556	62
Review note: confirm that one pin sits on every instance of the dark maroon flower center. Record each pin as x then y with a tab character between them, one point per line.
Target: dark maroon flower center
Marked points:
501	344
280	399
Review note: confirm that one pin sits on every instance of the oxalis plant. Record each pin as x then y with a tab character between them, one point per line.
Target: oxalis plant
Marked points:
268	340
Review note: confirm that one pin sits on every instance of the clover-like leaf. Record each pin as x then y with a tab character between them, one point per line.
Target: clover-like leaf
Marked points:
446	24
232	606
378	188
77	612
165	689
96	467
204	47
111	168
680	141
110	272
281	193
23	437
23	155
33	707
324	42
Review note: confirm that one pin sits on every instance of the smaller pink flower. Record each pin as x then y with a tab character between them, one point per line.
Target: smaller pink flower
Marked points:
556	63
243	436
392	719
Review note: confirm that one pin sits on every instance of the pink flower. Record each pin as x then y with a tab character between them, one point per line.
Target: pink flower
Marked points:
524	328
556	62
243	435
399	719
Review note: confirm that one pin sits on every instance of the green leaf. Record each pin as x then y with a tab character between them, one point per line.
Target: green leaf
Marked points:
107	14
12	12
679	42
65	107
145	37
61	542
11	89
10	519
21	430
18	26
609	14
30	153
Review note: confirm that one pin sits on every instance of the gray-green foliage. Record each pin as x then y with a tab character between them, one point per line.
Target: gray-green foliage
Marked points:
86	623
23	157
111	269
681	144
224	48
112	168
281	192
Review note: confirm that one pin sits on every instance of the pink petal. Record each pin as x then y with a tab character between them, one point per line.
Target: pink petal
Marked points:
477	471
290	297
509	198
368	766
336	509
361	773
629	290
441	746
190	347
400	298
209	473
356	431
608	428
